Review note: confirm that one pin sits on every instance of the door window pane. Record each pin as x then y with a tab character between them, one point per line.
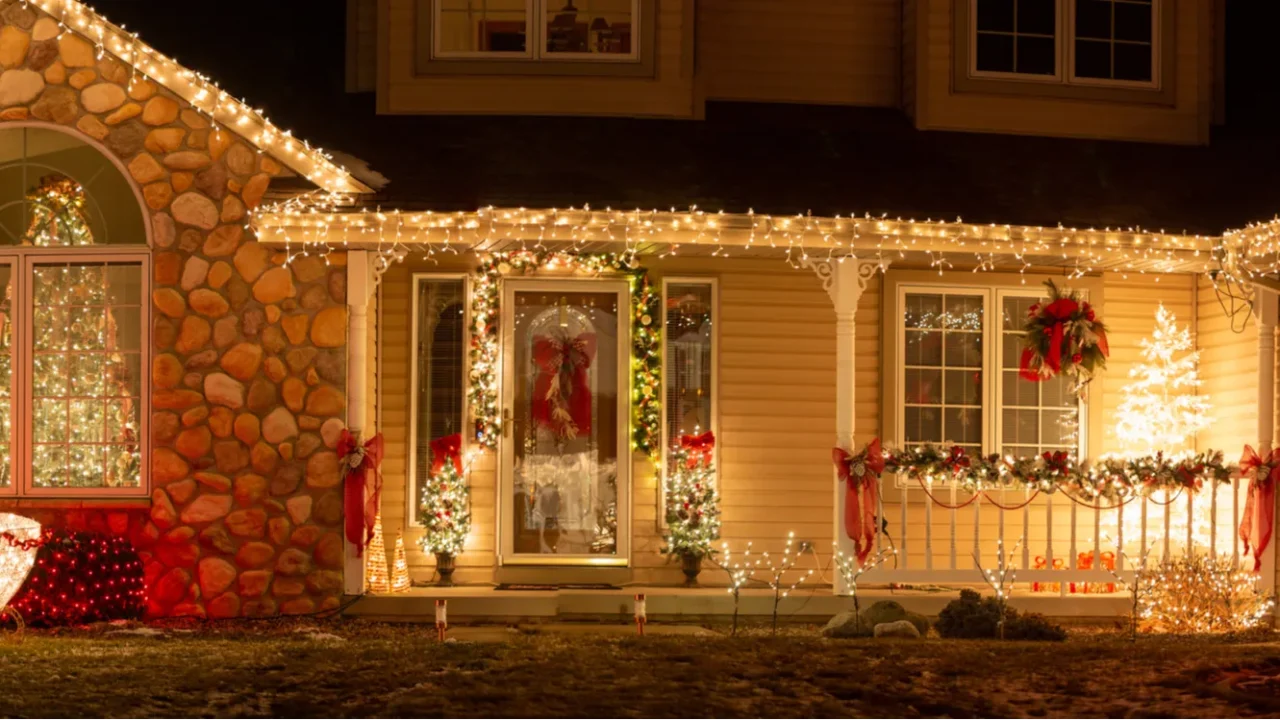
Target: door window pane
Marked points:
440	353
481	26
688	337
564	425
86	384
601	27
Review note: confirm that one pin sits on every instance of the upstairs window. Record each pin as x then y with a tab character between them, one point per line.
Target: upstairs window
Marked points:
1067	42
536	30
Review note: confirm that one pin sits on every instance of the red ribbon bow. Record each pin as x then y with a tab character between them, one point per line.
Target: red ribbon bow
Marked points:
859	473
360	506
700	447
444	449
956	459
1265	471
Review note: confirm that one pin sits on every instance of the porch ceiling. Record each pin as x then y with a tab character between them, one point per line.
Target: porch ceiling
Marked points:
945	245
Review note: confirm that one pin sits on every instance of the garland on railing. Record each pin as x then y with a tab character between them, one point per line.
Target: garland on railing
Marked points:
646	361
1115	479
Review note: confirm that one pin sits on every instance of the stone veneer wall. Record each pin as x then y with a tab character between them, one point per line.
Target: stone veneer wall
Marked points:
248	373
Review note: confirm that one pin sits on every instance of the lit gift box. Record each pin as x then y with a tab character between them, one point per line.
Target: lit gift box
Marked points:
1042	564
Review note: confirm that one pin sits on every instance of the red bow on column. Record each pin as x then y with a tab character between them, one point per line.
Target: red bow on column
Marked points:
700	447
360	506
444	449
1265	473
859	473
561	392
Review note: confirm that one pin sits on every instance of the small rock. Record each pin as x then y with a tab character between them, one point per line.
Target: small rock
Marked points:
279	426
197	268
163	230
208	303
59	104
186	160
224	240
896	629
195	209
329	329
159	110
143	167
193	334
224	390
219	274
19	87
102	97
126	112
158	194
164	140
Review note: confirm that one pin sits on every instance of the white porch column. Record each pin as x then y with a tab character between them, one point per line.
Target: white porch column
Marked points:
844	280
359	286
1266	308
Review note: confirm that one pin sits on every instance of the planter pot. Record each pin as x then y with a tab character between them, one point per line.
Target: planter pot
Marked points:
691	565
445	563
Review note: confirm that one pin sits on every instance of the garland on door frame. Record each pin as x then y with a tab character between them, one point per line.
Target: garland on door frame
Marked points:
646	359
1115	479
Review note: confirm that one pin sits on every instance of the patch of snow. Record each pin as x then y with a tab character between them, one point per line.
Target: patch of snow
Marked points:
140	631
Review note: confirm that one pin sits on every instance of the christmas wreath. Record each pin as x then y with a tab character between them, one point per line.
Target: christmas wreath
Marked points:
1063	336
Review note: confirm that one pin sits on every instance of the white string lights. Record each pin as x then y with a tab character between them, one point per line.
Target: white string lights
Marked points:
203	94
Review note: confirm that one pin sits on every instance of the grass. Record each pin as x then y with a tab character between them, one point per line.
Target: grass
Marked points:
255	670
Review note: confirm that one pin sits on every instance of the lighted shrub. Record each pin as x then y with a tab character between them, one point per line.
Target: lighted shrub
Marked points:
82	577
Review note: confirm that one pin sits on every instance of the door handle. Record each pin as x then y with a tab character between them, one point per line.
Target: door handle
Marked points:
506	421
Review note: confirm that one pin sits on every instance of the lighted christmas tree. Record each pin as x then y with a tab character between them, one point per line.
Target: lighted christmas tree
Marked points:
84	380
375	561
399	567
693	505
1159	409
445	510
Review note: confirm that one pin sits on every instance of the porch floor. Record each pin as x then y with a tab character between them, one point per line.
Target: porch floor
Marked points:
485	603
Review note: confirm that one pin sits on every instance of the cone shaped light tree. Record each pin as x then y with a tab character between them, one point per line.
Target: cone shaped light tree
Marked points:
1160	410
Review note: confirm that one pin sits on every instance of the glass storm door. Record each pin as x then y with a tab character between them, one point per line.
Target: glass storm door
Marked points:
566	399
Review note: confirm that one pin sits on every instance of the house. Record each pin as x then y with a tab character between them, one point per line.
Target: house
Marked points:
505	288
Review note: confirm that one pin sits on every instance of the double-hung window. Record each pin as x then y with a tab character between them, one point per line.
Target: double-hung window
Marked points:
689	358
536	31
957	380
1066	42
74	331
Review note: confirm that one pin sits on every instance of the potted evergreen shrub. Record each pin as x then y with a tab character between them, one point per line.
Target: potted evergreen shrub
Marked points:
692	504
445	510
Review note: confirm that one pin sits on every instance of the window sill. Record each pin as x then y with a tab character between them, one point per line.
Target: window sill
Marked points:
57	503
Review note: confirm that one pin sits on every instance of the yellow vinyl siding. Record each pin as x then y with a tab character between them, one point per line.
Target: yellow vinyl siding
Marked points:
362	41
1186	121
1228	373
803	51
668	94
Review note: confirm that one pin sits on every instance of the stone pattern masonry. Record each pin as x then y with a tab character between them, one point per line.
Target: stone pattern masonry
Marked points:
248	373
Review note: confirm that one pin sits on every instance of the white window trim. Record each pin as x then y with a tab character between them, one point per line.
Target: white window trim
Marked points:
715	384
1065	54
411	516
21	261
1074	79
992	339
536	39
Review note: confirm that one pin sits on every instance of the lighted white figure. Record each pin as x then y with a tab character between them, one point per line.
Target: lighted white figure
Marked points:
15	560
1160	410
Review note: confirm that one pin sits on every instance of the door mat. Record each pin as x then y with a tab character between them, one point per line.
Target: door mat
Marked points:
562	586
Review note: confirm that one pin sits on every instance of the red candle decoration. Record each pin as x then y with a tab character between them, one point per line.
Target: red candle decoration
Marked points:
82	577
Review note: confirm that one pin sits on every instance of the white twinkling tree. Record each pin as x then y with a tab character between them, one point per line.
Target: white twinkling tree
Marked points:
1160	410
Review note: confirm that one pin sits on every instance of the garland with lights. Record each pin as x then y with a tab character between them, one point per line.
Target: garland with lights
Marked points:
82	577
1063	336
1115	479
646	360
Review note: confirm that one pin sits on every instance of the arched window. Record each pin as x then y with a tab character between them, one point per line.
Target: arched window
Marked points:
73	330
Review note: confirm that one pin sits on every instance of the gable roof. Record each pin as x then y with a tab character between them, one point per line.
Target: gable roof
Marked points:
201	92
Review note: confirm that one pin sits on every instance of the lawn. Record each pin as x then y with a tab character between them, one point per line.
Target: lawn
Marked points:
285	669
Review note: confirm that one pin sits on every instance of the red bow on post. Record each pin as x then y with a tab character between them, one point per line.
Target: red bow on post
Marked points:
443	450
859	473
1265	473
359	505
700	447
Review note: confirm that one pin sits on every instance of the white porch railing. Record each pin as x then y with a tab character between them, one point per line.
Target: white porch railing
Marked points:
938	538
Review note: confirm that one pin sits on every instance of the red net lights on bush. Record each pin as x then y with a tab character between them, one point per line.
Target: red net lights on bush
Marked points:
82	577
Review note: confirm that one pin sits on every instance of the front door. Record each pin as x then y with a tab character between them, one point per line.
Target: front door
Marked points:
566	398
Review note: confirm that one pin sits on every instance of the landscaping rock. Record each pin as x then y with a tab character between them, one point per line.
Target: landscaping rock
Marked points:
896	629
844	625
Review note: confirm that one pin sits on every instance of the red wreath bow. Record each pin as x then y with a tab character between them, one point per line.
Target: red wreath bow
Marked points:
1265	471
956	459
859	473
700	447
360	505
444	449
1056	460
561	391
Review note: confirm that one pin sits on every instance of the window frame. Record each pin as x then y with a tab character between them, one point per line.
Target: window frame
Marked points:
714	283
23	260
993	286
535	60
411	516
1065	84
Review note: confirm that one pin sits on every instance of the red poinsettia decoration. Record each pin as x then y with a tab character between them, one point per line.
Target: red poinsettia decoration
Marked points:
1263	472
860	473
561	391
1063	336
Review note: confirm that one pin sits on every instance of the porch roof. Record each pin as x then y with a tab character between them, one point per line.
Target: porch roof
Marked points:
939	243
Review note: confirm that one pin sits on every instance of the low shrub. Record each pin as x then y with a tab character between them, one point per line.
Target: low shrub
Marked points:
973	616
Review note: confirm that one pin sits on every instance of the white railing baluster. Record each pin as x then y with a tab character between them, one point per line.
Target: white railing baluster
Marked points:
954	566
1144	546
1191	516
977	532
1235	522
1074	555
1168	523
1048	525
1026	527
1004	503
1097	537
902	505
879	514
928	532
1213	519
1120	536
